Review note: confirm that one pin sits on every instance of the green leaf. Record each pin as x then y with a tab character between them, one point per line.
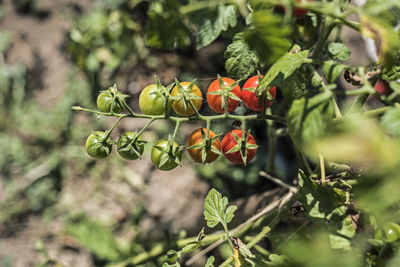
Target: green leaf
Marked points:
393	73
339	51
210	262
214	209
332	70
283	68
211	23
165	29
391	121
339	242
308	118
294	86
268	36
95	237
240	60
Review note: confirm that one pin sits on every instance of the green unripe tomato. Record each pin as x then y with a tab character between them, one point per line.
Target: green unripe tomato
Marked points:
390	232
126	149
151	101
96	145
157	155
105	101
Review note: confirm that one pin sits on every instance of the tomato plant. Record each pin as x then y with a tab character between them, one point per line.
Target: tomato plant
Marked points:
249	97
238	150
182	94
220	88
98	145
130	146
166	155
202	149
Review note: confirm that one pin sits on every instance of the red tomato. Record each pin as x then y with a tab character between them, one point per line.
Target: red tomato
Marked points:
382	87
297	12
214	101
250	99
228	142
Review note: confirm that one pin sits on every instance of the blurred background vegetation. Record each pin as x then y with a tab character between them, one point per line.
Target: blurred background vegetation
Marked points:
58	206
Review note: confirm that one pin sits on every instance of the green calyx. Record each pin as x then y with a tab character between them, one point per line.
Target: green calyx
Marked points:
186	94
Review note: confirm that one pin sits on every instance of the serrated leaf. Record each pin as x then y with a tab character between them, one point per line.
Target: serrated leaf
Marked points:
211	23
295	86
230	213
393	73
339	51
283	68
240	60
391	121
214	209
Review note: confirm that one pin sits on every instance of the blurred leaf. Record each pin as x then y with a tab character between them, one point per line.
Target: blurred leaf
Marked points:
338	242
391	121
332	70
268	36
95	237
387	40
165	29
317	252
339	51
210	262
308	118
240	60
211	23
5	40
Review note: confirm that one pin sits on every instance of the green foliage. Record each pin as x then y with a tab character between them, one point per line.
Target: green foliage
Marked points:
215	210
94	236
240	60
282	69
209	24
308	118
268	36
339	51
165	29
391	121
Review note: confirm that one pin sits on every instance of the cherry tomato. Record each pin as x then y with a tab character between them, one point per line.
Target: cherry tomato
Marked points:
196	153
126	149
214	101
250	99
390	232
161	150
151	101
297	12
179	105
229	141
96	145
105	100
382	87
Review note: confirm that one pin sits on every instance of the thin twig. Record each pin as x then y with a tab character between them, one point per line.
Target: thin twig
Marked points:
276	181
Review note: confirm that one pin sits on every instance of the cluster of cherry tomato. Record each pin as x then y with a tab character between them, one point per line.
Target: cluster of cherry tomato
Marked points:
185	98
